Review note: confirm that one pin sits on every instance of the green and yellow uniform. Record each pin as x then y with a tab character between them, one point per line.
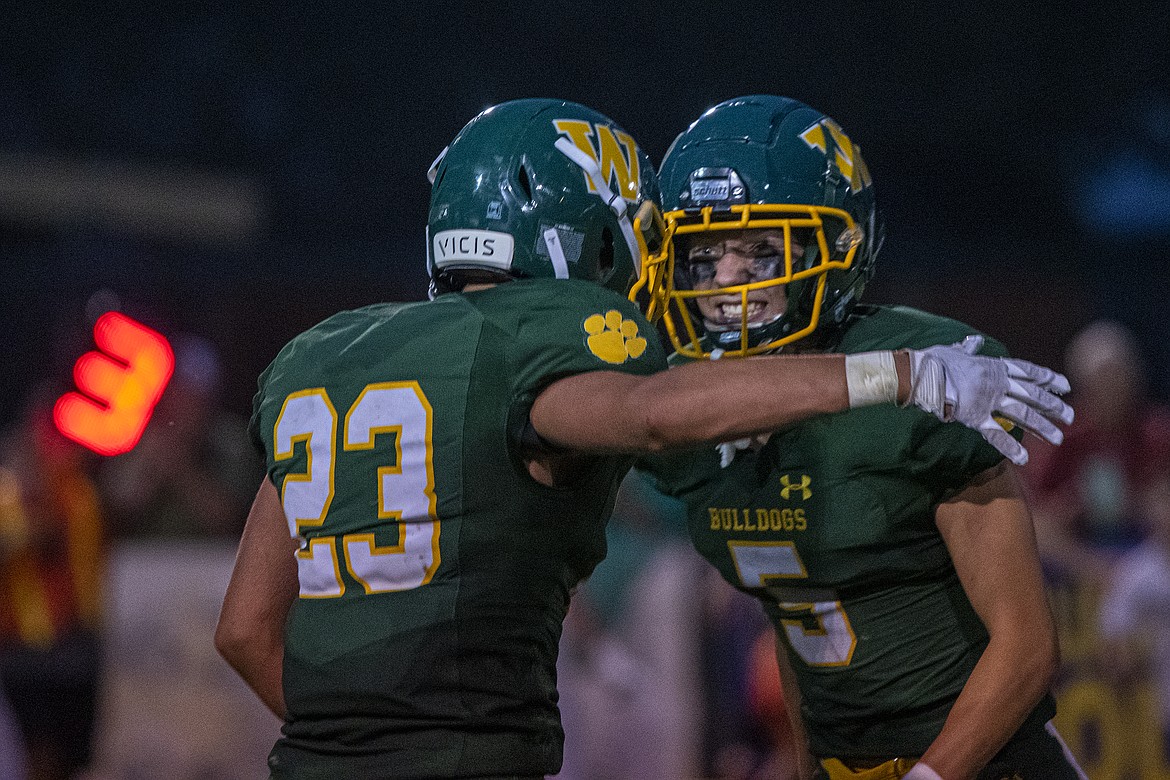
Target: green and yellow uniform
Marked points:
831	526
434	571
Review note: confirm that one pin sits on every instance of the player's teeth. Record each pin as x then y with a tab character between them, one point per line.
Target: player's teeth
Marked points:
735	310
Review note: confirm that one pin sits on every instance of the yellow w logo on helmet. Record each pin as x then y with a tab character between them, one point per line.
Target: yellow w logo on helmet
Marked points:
846	154
615	153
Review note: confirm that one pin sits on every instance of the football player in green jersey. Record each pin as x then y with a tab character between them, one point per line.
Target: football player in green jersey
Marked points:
892	551
440	473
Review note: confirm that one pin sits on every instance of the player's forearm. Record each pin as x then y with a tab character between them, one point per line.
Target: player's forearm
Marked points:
724	400
698	403
720	401
260	592
259	663
250	634
1013	674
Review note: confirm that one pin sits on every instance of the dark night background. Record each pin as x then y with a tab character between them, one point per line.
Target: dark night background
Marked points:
252	168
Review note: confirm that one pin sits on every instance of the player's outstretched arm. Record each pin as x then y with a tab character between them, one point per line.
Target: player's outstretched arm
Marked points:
706	401
716	401
263	585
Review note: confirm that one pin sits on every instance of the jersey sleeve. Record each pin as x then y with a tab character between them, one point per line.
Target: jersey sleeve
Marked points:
948	456
572	328
553	328
254	426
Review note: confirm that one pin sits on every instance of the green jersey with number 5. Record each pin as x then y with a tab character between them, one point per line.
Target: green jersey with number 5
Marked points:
434	571
830	525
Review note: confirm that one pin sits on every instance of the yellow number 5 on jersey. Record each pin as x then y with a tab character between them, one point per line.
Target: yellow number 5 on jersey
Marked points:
819	631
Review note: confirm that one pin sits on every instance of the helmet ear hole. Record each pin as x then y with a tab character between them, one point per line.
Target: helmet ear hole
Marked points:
605	258
525	183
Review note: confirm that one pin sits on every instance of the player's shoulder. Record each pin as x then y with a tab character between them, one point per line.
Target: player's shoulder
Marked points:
345	325
522	298
904	327
556	327
544	312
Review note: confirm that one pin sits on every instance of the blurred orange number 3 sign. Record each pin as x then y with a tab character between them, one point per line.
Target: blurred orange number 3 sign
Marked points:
119	385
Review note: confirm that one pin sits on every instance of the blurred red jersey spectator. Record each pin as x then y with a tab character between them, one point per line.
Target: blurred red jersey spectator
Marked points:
1086	492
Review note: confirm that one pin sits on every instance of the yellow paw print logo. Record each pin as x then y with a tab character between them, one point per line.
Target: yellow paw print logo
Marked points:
612	338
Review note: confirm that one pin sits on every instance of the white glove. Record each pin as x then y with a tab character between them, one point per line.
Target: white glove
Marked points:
954	383
921	771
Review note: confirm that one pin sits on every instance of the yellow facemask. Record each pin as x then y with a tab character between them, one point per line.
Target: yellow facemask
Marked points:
831	244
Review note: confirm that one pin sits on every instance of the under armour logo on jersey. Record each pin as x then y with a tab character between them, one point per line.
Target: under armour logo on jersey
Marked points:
803	487
613	338
615	153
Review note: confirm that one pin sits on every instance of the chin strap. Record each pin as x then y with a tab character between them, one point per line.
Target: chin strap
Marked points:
616	203
433	171
552	239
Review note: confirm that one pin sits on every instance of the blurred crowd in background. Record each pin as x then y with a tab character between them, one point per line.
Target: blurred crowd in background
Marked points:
229	177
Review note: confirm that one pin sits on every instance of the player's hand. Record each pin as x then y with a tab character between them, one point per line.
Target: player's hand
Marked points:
954	383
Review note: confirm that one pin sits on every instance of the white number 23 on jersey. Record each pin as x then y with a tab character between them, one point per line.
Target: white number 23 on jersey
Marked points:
406	488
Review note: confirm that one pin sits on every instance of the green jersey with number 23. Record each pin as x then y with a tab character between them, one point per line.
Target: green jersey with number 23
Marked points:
434	572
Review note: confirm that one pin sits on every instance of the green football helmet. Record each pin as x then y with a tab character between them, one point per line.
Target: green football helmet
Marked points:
779	185
539	188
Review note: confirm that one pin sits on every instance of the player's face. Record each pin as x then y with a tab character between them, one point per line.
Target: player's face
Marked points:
721	259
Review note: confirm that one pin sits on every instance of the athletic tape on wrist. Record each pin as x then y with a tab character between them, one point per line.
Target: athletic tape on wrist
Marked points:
872	378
